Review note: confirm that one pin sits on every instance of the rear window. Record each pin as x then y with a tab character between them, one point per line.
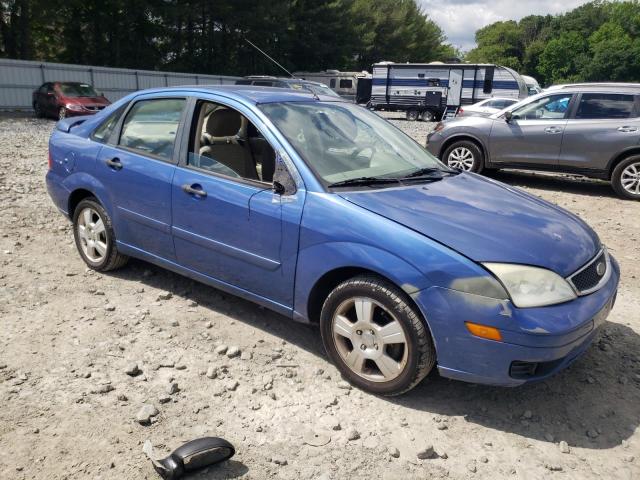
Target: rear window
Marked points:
605	106
103	132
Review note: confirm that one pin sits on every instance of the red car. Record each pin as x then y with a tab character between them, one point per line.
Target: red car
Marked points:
65	99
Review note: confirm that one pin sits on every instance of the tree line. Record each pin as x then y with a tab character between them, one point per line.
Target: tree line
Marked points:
208	36
598	41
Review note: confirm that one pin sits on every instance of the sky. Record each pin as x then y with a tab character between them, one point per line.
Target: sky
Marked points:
461	18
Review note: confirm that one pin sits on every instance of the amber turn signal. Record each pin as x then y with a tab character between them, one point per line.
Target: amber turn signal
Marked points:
483	331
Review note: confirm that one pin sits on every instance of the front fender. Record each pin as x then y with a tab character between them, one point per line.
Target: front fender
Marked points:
319	259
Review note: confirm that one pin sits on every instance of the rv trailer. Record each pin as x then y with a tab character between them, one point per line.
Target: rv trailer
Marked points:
434	91
355	86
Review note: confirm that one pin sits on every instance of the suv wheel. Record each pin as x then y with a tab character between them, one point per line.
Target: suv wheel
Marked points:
95	240
413	115
377	340
464	155
625	178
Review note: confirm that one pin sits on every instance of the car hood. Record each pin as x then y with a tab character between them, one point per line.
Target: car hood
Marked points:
87	100
487	221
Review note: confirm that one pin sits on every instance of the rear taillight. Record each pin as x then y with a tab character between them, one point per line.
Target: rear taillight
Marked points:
49	160
460	111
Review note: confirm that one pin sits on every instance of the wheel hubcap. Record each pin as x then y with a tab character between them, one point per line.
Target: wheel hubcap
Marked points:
369	339
630	178
92	235
461	158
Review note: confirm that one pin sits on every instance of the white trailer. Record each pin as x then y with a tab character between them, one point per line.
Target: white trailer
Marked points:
355	86
433	91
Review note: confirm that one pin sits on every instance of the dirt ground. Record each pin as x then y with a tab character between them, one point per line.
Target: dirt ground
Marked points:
68	407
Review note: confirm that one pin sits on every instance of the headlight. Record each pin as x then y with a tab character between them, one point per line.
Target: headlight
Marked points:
438	127
531	286
73	106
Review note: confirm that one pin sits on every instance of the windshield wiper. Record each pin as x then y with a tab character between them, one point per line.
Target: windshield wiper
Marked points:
352	182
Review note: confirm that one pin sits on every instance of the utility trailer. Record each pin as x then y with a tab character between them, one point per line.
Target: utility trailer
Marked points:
434	91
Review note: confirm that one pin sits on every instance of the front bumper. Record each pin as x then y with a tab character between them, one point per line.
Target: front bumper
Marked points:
536	342
434	143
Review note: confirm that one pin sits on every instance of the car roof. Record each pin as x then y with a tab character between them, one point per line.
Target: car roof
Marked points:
596	87
251	93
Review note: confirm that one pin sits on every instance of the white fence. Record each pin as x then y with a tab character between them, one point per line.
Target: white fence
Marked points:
19	78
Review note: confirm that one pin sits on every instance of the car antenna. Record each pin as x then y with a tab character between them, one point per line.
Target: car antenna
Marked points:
265	54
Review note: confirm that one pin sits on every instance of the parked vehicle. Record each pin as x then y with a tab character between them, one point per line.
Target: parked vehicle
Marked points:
67	99
354	86
532	85
592	131
562	86
435	91
326	213
293	83
486	107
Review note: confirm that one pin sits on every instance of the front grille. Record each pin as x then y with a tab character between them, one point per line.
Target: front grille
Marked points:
590	276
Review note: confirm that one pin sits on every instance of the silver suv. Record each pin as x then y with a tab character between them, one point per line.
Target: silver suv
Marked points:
589	130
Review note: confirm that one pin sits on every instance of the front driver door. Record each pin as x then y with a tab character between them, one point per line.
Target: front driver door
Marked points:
228	223
534	135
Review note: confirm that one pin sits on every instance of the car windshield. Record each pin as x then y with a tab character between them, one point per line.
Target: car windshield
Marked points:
77	90
342	141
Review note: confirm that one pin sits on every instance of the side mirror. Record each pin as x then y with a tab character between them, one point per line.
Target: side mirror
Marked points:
508	116
283	182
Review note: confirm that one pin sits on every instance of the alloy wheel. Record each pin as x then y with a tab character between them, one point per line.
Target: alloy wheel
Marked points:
92	235
461	158
369	339
630	178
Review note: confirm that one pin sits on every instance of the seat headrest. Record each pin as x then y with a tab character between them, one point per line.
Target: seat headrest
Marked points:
224	123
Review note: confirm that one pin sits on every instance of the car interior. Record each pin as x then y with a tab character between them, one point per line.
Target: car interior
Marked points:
225	142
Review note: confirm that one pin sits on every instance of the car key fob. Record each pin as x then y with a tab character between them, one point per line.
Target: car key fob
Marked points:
191	456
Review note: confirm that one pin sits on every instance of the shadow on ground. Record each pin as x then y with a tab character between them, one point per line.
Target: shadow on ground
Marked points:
225	470
593	404
556	182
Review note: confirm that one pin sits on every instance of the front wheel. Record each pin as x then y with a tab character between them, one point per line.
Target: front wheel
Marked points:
464	155
95	240
375	337
625	178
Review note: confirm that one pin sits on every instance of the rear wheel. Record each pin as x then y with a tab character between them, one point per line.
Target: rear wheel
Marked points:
375	337
625	178
62	113
94	236
464	155
413	115
428	116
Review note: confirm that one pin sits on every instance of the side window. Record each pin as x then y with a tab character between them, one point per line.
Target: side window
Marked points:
605	106
332	83
104	131
225	142
551	107
346	83
151	125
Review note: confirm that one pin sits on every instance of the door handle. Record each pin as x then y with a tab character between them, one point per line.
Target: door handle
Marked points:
627	129
114	163
195	190
553	130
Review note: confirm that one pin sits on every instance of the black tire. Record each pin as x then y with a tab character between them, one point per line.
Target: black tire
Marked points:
112	259
412	115
428	116
625	168
62	113
37	111
420	354
477	160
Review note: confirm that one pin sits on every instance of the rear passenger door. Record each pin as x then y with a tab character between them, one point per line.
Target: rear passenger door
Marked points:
136	167
602	125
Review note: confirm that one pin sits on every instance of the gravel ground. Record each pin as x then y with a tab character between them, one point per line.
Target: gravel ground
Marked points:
93	365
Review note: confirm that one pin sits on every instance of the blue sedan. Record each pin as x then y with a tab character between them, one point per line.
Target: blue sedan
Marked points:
326	213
